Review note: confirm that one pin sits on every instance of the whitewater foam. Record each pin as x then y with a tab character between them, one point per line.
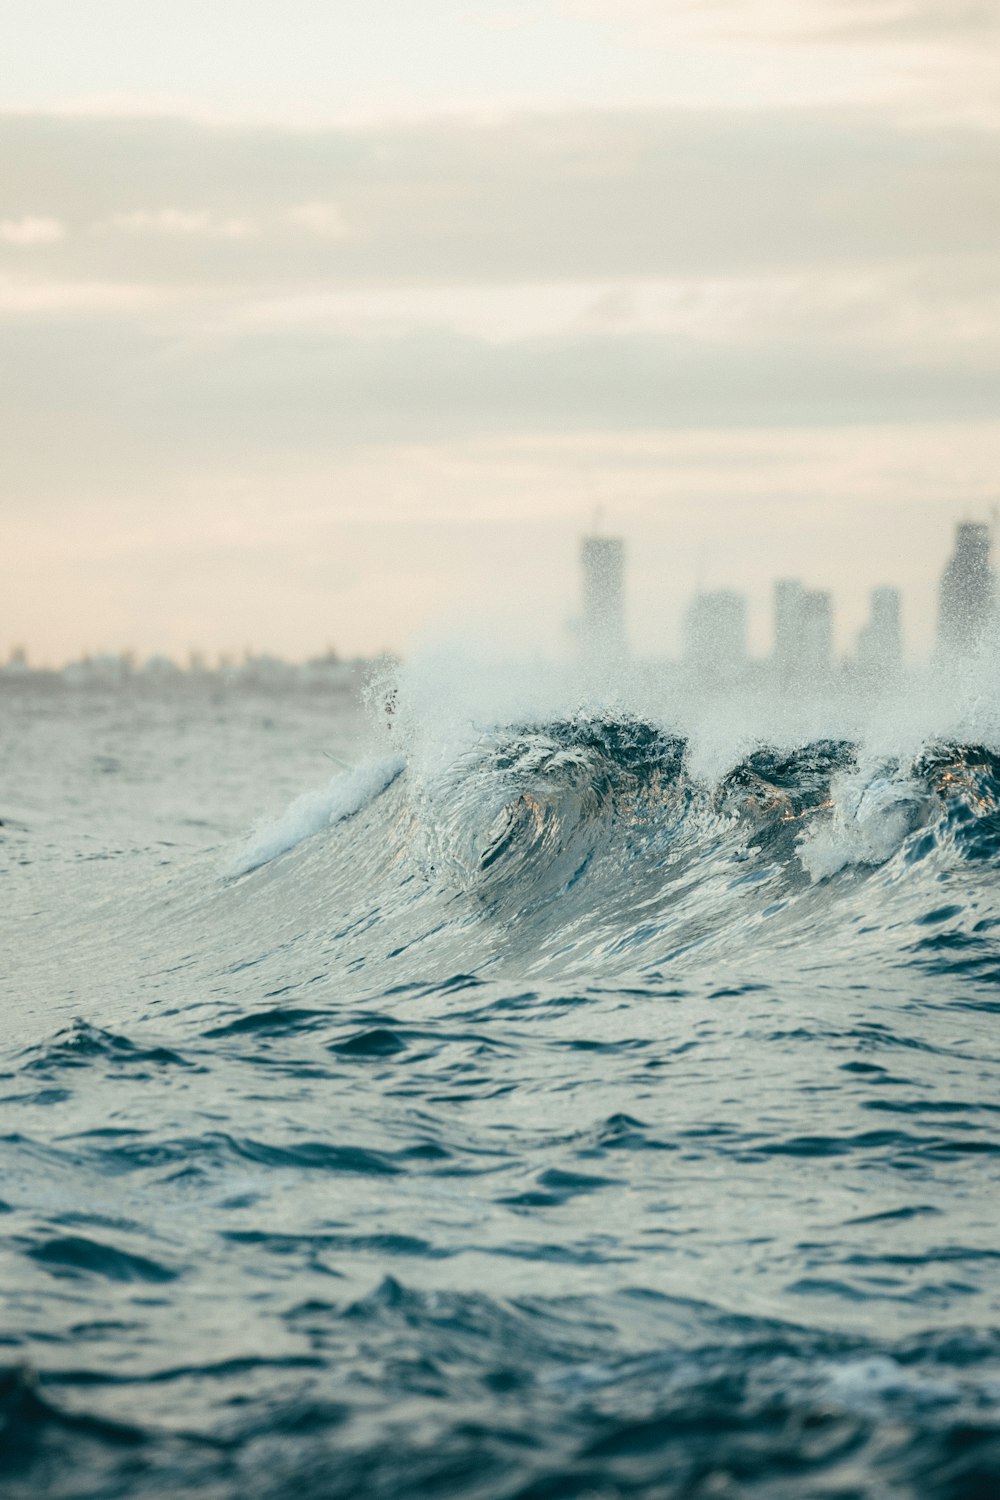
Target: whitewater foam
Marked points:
343	797
872	812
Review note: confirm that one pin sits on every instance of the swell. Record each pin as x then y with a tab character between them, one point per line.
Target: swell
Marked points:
575	852
590	844
529	1398
553	1111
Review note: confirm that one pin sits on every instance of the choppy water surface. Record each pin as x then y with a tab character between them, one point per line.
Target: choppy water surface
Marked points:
555	1104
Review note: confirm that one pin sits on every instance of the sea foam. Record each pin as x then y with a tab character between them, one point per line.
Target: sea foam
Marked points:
343	797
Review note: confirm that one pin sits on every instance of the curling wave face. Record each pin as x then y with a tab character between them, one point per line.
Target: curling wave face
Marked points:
554	1104
587	845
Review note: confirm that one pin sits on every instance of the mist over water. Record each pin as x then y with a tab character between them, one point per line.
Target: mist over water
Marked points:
590	1090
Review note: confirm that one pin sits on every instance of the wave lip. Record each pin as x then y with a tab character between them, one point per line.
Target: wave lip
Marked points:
345	796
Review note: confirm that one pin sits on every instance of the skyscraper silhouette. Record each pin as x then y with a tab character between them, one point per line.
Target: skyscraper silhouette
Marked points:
880	642
967	594
603	628
816	647
803	632
715	633
788	594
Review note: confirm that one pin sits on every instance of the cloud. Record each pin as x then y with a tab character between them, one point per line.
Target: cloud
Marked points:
903	20
526	199
109	397
539	278
323	219
24	296
856	21
31	229
177	221
297	290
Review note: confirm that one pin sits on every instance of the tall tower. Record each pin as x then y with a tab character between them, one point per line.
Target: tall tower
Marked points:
880	642
788	596
817	634
715	633
603	634
803	633
967	594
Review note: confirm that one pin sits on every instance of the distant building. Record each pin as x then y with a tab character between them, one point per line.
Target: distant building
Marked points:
788	596
160	668
715	633
602	638
103	670
803	632
880	642
816	650
967	594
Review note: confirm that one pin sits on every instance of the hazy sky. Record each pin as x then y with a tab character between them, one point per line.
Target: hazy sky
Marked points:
336	322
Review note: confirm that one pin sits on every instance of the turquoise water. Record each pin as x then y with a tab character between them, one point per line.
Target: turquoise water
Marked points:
560	1102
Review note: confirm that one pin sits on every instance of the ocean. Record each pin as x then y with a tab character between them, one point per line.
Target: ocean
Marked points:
529	1091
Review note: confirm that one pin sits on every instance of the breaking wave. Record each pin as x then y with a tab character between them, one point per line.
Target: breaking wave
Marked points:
591	843
571	1098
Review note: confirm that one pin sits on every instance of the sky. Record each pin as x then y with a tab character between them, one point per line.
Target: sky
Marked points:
340	324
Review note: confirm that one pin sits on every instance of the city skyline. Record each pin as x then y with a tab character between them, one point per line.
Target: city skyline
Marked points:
340	333
802	648
712	625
